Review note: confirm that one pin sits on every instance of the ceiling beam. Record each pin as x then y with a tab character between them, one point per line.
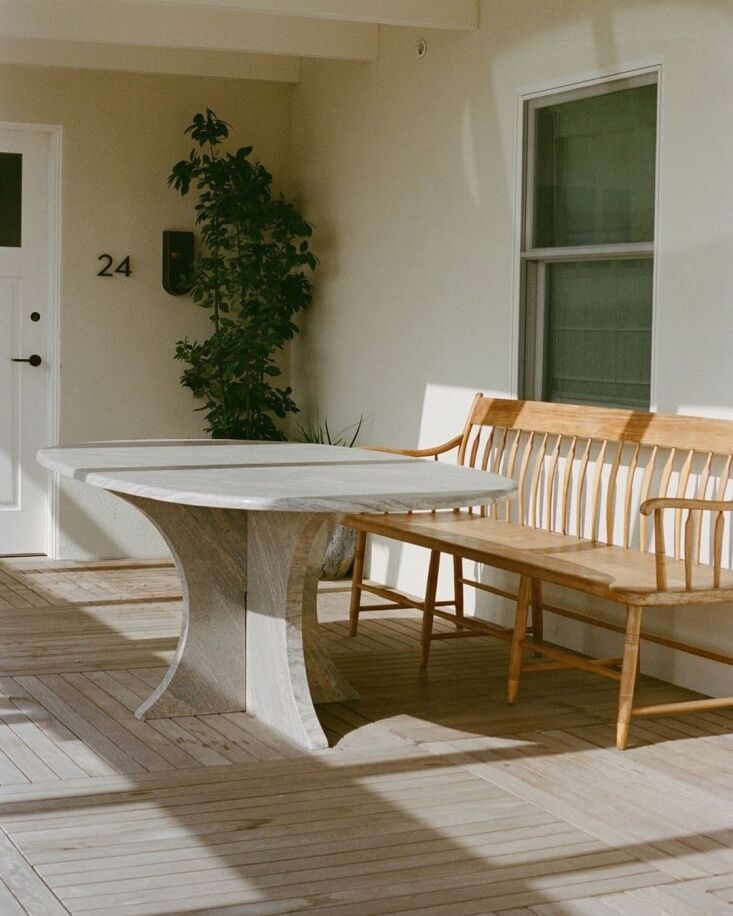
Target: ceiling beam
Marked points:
427	14
127	58
195	26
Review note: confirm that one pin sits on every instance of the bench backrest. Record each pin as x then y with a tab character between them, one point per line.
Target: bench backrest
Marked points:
585	470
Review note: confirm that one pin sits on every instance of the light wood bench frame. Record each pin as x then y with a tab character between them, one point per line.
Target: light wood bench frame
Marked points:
558	454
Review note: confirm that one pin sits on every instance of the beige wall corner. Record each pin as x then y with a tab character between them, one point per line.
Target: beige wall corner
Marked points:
121	135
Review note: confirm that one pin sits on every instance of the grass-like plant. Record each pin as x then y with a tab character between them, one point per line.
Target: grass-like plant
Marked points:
252	274
320	433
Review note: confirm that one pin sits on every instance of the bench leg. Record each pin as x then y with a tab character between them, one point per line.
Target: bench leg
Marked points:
356	581
520	631
458	589
629	675
537	615
427	616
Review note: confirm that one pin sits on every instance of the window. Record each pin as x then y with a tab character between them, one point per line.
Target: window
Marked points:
588	244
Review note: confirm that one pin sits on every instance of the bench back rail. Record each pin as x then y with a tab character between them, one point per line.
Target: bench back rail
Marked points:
587	472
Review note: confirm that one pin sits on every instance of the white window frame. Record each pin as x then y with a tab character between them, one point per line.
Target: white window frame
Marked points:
532	262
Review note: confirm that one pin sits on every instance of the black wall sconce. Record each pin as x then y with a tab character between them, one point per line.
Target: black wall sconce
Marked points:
177	262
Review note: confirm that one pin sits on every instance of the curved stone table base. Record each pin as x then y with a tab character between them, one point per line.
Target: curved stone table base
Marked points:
249	638
246	523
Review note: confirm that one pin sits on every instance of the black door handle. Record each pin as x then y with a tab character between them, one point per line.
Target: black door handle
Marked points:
34	360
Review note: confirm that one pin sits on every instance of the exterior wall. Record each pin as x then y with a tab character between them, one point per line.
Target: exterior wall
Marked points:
409	169
121	134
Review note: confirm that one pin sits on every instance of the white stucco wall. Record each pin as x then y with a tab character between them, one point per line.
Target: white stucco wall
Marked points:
121	135
408	168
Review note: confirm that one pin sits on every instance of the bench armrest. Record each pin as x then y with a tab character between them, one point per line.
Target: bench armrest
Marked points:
692	545
713	505
420	452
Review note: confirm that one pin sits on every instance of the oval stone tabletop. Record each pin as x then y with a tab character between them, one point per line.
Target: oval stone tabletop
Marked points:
247	524
274	476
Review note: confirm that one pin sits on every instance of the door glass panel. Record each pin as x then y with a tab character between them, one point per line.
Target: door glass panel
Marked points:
594	170
598	319
11	180
9	416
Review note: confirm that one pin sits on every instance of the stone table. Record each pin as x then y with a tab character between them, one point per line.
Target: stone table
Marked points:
247	524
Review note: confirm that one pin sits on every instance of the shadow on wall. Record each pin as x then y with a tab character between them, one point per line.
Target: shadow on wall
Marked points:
445	281
599	16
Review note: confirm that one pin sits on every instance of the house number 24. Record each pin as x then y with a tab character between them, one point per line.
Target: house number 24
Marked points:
122	268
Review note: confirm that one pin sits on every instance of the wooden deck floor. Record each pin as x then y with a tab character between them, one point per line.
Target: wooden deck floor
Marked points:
436	798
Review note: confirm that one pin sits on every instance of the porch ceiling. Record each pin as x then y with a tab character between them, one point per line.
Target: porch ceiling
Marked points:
255	39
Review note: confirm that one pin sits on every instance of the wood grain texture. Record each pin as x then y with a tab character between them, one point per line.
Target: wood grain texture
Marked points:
436	797
607	571
615	425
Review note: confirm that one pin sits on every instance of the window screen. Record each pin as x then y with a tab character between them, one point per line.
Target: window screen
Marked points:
594	175
598	332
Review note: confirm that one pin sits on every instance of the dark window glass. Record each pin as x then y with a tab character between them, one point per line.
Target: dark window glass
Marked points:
598	319
11	181
594	170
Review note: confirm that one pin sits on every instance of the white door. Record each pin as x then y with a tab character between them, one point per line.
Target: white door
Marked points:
25	174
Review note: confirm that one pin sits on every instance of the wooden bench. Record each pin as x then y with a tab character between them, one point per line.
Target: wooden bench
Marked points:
622	505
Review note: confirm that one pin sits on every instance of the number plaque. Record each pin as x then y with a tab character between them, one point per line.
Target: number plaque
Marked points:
123	267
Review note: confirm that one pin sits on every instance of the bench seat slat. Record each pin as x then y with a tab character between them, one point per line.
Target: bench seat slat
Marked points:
622	574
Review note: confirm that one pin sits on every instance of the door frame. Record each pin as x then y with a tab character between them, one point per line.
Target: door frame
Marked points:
55	135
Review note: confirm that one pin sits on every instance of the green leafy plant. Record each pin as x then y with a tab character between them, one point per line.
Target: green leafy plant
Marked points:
252	274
